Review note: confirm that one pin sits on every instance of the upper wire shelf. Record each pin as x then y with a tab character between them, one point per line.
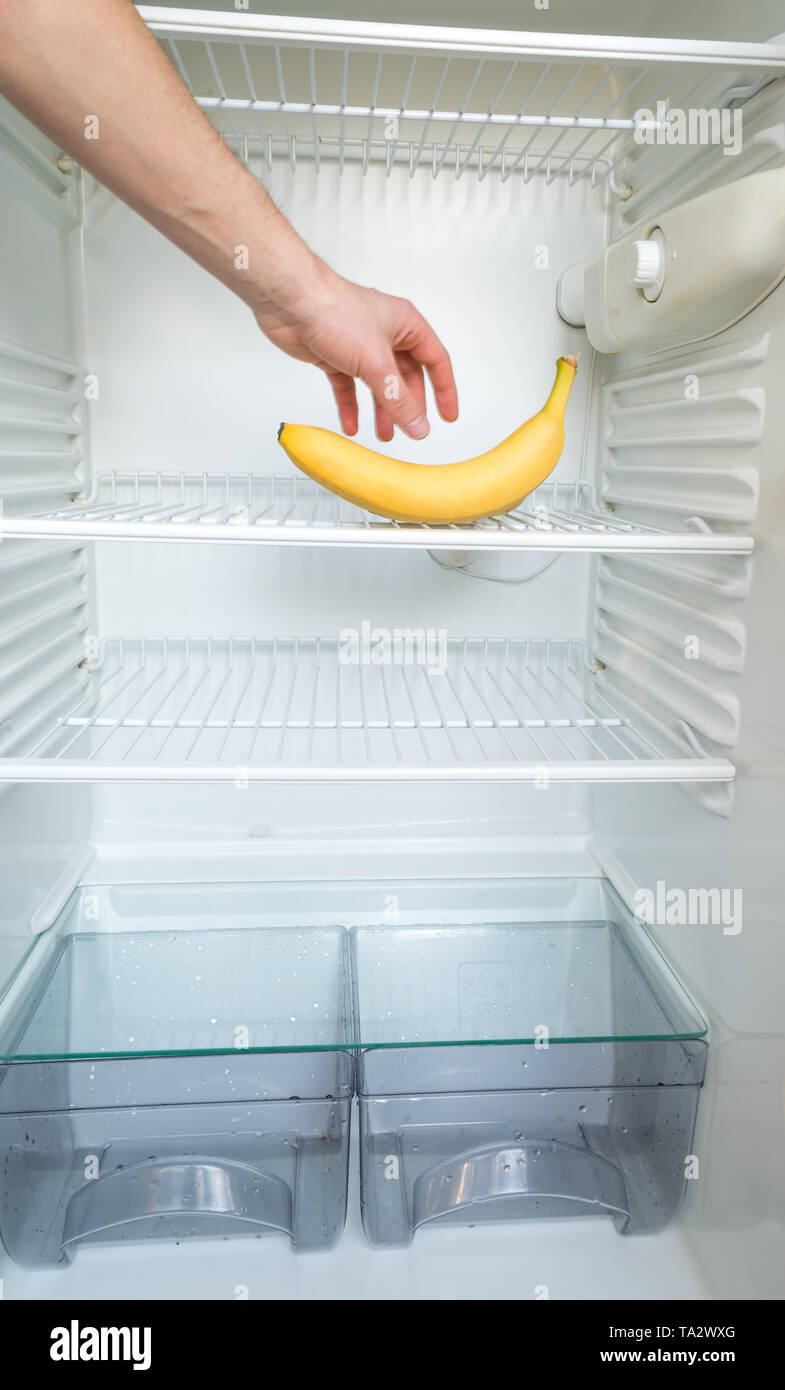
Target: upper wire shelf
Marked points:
406	705
293	510
446	99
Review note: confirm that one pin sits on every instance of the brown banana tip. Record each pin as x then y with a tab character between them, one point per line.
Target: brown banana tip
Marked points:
571	362
281	428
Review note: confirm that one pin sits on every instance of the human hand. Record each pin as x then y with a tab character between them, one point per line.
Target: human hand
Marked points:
173	168
352	332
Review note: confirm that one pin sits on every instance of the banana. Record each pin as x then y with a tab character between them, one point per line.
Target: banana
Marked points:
488	485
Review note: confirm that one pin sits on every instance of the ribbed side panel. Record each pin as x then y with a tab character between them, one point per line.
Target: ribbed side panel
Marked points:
662	176
41	409
29	170
43	586
43	608
672	646
672	660
679	439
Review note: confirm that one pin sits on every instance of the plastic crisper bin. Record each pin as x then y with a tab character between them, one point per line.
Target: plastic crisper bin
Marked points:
174	1070
521	1071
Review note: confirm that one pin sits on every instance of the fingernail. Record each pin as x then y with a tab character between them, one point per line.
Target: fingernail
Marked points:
418	429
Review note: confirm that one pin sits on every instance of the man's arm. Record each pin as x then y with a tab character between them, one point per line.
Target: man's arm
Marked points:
66	62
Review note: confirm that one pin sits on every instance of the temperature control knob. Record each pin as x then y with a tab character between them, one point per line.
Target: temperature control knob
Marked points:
646	265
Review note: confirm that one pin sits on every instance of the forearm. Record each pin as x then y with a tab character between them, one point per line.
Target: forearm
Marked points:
90	75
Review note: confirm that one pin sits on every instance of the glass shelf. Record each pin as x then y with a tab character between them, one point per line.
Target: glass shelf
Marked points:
554	982
171	970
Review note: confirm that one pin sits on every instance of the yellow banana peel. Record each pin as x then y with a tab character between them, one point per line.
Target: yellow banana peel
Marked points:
488	485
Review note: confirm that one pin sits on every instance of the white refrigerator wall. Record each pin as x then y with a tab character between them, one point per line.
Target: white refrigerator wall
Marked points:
188	382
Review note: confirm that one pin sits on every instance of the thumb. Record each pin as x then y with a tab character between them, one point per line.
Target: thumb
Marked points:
393	395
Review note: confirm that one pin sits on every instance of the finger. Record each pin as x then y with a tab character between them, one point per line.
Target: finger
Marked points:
385	428
413	377
416	337
345	393
390	391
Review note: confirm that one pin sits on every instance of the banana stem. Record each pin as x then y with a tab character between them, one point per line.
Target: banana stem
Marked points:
566	368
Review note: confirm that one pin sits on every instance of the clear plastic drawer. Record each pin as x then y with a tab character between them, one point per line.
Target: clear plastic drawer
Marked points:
522	1070
180	1061
173	1070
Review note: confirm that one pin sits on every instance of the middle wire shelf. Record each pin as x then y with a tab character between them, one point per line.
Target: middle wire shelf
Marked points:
293	510
406	705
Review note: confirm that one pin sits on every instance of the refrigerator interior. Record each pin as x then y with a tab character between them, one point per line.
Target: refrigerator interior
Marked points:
180	383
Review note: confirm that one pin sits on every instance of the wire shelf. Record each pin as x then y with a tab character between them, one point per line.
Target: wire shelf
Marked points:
446	100
366	705
293	510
